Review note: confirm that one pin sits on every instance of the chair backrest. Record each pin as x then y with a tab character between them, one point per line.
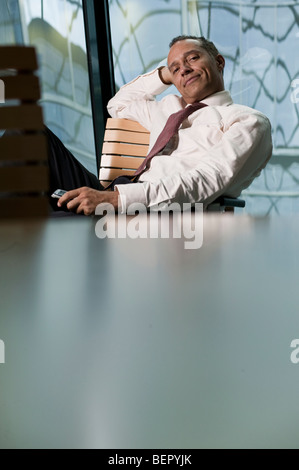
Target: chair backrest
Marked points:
24	178
125	145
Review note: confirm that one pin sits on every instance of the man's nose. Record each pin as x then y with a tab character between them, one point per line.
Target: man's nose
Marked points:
186	69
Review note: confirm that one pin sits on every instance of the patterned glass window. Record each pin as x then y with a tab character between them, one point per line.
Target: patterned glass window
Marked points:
56	28
260	40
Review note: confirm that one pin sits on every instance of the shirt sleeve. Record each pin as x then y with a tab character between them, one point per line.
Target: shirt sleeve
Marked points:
243	151
136	100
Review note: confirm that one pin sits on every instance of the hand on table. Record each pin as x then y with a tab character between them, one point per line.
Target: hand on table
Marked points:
85	200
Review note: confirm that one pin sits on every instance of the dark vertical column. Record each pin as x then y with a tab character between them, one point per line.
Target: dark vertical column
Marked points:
100	63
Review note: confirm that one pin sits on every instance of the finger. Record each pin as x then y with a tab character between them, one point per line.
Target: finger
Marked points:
83	209
73	204
67	197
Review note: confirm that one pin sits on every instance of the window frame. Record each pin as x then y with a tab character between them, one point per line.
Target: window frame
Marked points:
100	66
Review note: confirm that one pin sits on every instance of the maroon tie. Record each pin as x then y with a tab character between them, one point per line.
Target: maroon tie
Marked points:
170	129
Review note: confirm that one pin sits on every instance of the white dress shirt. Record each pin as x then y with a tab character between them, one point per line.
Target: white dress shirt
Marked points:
219	149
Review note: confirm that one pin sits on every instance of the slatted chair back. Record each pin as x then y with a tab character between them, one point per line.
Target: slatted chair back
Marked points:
125	146
24	178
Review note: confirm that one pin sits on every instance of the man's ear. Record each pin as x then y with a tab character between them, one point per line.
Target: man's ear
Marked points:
220	62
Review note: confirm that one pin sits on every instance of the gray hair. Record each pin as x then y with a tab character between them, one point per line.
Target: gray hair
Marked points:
209	46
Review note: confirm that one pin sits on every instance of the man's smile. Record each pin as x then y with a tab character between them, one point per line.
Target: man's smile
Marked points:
192	79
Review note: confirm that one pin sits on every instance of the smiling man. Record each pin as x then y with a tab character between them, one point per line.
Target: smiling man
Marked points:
218	149
195	67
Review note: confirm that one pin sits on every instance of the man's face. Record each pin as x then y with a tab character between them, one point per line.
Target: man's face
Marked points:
195	73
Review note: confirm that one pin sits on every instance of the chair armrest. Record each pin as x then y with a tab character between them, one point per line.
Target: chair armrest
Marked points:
229	201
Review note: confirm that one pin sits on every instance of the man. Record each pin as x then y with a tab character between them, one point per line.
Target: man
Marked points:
219	149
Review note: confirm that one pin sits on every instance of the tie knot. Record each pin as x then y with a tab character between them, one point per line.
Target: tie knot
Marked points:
176	119
194	106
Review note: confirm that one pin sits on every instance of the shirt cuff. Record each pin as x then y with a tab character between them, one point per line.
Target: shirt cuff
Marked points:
157	86
130	194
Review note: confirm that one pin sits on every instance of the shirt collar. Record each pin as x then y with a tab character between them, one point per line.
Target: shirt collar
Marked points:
221	98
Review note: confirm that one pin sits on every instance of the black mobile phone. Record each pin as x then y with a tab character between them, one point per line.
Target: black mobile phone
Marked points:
58	193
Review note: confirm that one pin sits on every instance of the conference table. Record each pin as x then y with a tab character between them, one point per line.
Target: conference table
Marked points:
144	343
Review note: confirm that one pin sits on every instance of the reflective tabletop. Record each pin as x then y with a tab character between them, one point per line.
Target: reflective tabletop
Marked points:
143	343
